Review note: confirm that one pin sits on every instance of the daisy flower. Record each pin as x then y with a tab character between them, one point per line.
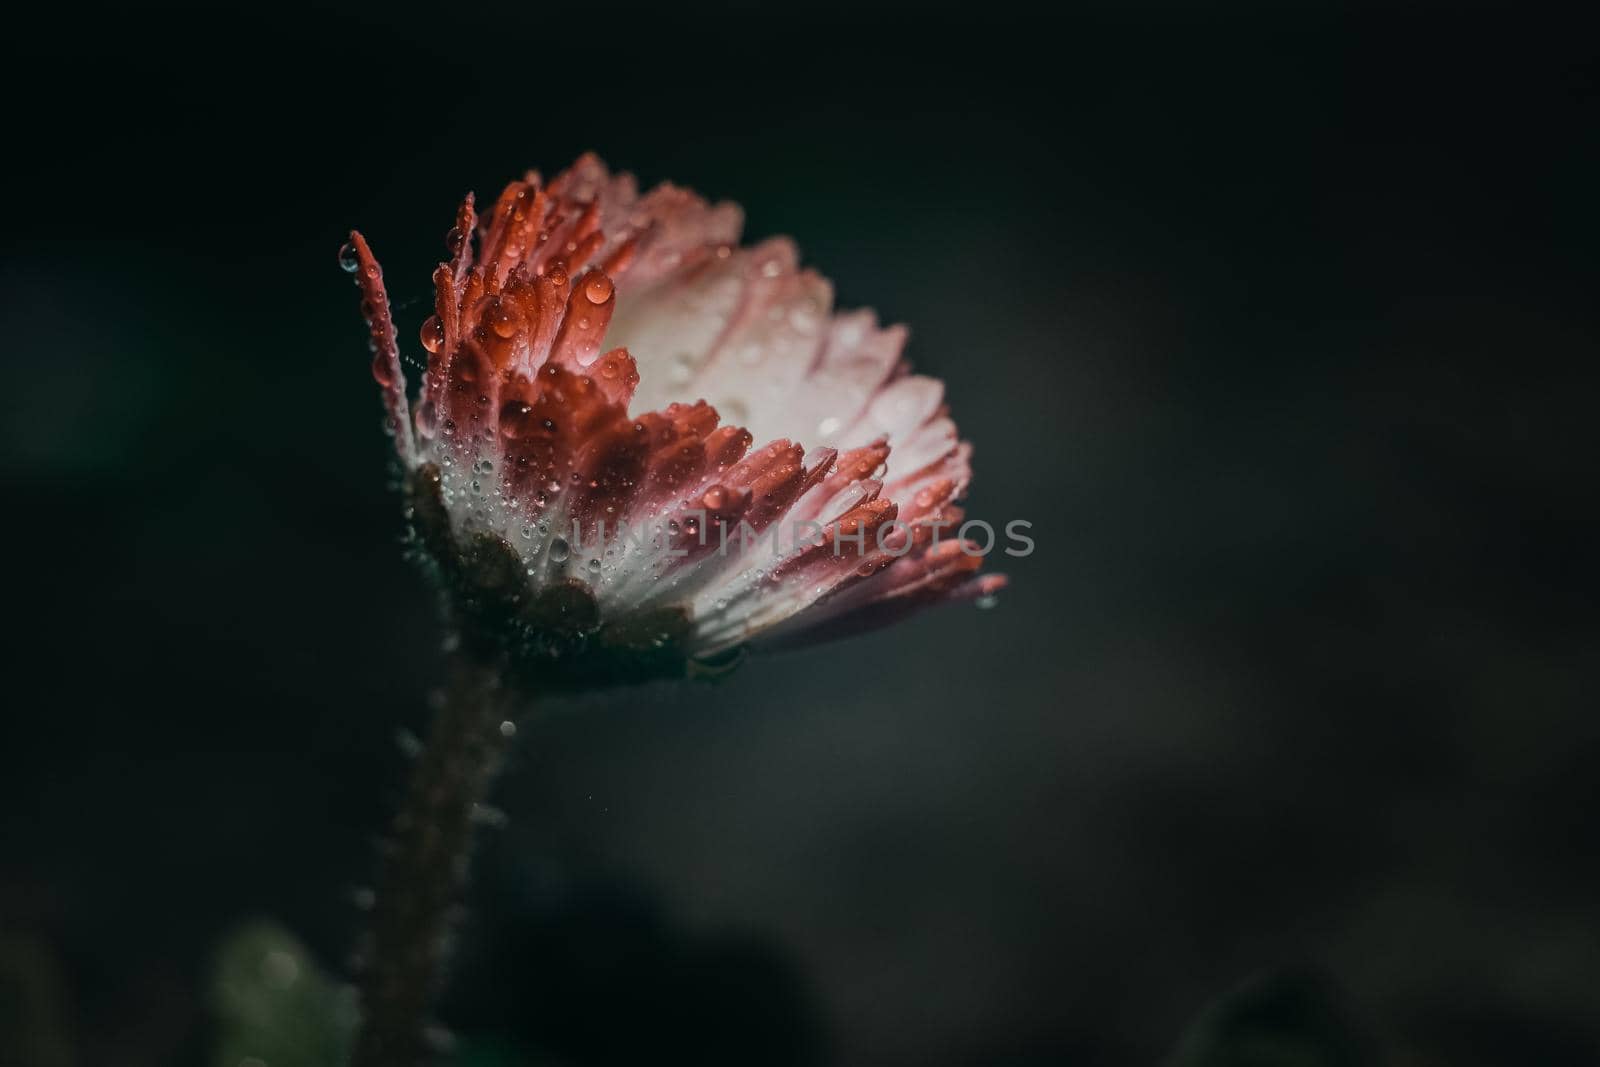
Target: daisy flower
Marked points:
639	447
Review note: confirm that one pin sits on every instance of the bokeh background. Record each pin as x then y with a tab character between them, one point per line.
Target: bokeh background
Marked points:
1280	329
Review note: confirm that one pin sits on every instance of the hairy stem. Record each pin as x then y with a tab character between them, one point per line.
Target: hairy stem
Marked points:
424	867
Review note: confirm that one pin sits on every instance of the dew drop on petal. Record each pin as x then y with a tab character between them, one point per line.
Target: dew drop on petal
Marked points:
560	550
432	333
502	320
597	289
382	370
347	258
427	415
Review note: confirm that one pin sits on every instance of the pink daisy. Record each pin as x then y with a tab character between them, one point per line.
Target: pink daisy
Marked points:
570	470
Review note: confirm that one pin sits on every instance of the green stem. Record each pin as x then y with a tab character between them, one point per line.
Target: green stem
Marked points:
424	867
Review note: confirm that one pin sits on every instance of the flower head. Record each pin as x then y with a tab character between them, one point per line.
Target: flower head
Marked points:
569	469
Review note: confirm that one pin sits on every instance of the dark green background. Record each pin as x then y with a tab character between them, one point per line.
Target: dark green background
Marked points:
1280	329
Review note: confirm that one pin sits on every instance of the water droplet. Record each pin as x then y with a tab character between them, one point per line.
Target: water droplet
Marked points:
432	333
597	289
594	566
348	261
427	414
560	550
553	485
714	498
383	370
502	319
453	238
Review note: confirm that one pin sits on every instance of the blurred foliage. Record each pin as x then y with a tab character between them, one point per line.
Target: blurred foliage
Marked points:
275	1007
1282	1019
33	1002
